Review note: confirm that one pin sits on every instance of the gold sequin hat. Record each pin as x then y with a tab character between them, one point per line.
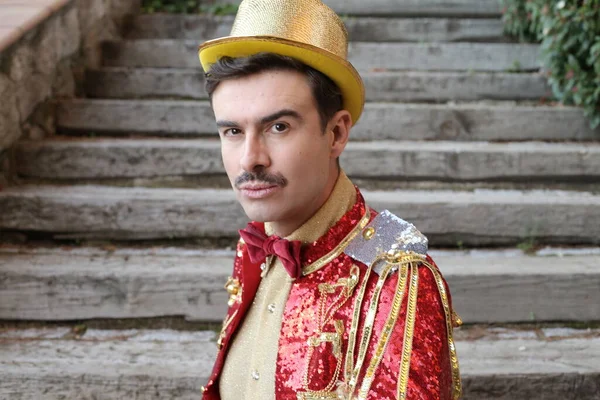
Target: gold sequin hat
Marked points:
306	30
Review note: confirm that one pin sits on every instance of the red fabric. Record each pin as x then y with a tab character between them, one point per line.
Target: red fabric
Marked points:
259	246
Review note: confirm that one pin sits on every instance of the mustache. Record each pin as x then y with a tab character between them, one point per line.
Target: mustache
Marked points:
260	176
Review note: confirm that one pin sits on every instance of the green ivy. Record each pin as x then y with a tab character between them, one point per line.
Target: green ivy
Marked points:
569	32
188	7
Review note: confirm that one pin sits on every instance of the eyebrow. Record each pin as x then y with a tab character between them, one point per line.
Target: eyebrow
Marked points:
227	124
282	113
264	120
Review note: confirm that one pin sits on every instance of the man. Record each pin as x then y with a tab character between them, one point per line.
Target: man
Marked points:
328	299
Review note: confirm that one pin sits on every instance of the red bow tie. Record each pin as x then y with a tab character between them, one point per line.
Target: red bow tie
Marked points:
260	246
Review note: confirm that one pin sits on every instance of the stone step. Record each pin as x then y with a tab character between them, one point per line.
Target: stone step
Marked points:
498	121
497	363
364	29
407	86
365	56
448	218
104	365
436	8
94	283
86	159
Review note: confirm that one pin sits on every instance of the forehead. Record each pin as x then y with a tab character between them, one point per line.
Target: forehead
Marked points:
261	94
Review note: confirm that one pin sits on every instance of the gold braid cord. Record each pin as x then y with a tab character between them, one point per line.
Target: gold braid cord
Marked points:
386	333
456	383
353	370
408	265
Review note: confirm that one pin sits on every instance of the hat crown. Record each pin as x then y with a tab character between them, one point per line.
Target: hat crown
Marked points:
305	21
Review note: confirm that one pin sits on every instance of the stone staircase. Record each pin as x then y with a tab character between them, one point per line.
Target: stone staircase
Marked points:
126	214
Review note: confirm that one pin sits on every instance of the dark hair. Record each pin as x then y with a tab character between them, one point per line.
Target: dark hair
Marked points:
327	94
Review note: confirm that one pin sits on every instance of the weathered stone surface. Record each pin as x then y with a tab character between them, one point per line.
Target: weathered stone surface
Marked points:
67	285
380	121
442	161
558	386
365	56
39	64
478	218
31	83
206	27
416	7
34	61
152	365
447	86
86	283
530	369
115	365
10	119
473	161
529	288
380	86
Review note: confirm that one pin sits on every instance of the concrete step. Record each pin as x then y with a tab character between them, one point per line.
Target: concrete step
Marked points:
381	121
364	29
448	218
502	364
365	56
94	283
415	86
85	159
436	8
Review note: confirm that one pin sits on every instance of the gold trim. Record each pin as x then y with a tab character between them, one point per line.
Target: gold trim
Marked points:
333	254
409	332
386	332
351	370
223	333
456	382
368	327
346	286
349	365
316	396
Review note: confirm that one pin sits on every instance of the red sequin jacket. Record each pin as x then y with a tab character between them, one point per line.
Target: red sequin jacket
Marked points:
384	319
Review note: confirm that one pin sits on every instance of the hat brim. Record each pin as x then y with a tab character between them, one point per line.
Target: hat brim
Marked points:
336	68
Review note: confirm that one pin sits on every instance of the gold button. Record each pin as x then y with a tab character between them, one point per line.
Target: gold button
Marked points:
233	286
203	389
369	233
457	321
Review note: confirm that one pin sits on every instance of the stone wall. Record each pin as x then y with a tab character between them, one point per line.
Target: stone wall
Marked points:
48	61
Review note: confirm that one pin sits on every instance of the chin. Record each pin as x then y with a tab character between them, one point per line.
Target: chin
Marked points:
260	212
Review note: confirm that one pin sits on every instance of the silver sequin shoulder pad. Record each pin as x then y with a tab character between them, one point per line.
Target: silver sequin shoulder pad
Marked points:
386	234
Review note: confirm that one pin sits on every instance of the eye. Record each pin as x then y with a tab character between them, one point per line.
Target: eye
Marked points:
232	132
280	127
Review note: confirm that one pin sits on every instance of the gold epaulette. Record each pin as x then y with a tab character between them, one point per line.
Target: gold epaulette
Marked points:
389	245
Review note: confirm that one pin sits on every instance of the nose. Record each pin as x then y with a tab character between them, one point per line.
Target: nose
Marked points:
255	155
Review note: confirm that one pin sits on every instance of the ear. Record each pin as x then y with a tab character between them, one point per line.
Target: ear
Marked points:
340	125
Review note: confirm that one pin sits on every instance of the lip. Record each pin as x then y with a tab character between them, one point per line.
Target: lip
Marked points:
257	192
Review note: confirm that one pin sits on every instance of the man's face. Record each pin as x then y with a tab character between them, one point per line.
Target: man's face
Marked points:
277	157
